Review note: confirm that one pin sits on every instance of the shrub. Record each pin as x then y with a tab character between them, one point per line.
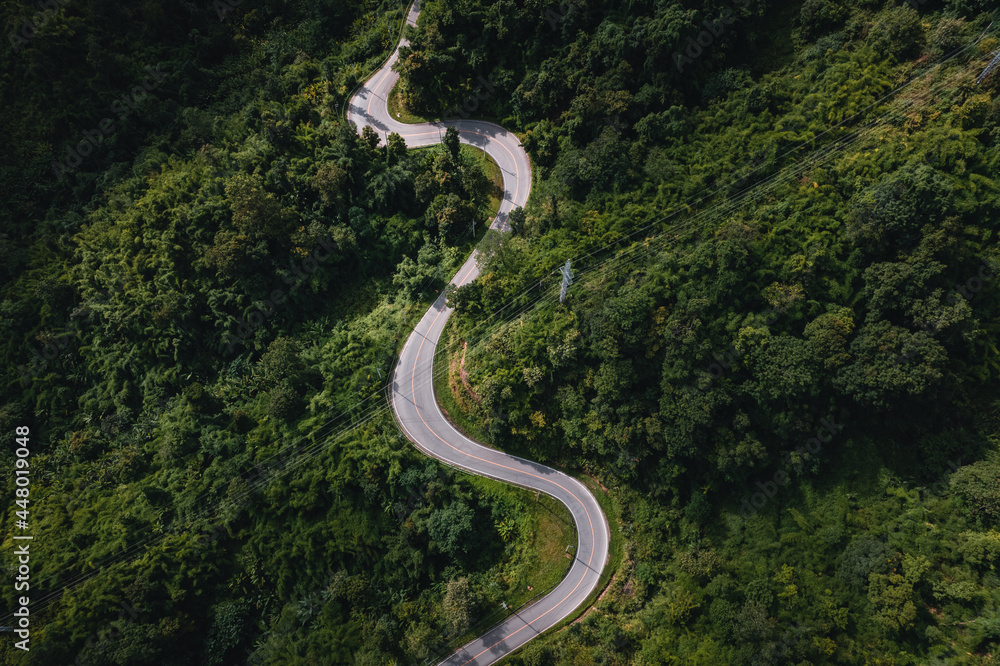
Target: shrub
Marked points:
947	36
819	16
282	402
896	33
978	486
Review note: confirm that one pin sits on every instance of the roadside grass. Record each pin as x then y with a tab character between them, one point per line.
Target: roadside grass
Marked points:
399	111
448	349
546	528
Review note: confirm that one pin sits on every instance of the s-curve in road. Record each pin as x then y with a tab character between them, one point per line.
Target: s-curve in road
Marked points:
413	391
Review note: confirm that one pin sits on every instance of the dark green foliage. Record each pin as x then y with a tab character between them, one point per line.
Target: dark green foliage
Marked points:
452	529
818	16
451	142
896	32
979	487
230	620
862	557
808	331
418	277
283	402
187	309
725	82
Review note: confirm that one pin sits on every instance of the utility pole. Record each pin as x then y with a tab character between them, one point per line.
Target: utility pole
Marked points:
567	280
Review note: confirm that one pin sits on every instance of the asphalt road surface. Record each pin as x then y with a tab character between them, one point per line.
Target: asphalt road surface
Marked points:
417	410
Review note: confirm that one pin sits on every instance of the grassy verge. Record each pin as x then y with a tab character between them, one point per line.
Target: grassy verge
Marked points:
540	559
537	559
444	376
399	111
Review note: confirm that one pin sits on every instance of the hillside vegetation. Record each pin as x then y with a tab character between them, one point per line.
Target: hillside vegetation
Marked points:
779	351
206	275
780	346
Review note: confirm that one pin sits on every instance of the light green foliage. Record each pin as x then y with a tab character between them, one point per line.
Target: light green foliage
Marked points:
458	605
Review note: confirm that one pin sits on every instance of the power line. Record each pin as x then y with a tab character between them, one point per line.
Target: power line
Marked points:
275	466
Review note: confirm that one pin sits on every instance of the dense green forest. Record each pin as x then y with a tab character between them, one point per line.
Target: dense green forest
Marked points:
779	353
780	347
206	274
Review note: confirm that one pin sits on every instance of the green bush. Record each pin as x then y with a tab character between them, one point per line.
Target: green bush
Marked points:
819	16
283	402
724	82
948	35
896	33
978	485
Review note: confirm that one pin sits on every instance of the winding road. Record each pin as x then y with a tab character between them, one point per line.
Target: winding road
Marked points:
417	410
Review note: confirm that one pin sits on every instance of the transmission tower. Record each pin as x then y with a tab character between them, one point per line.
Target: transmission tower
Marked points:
989	67
567	280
